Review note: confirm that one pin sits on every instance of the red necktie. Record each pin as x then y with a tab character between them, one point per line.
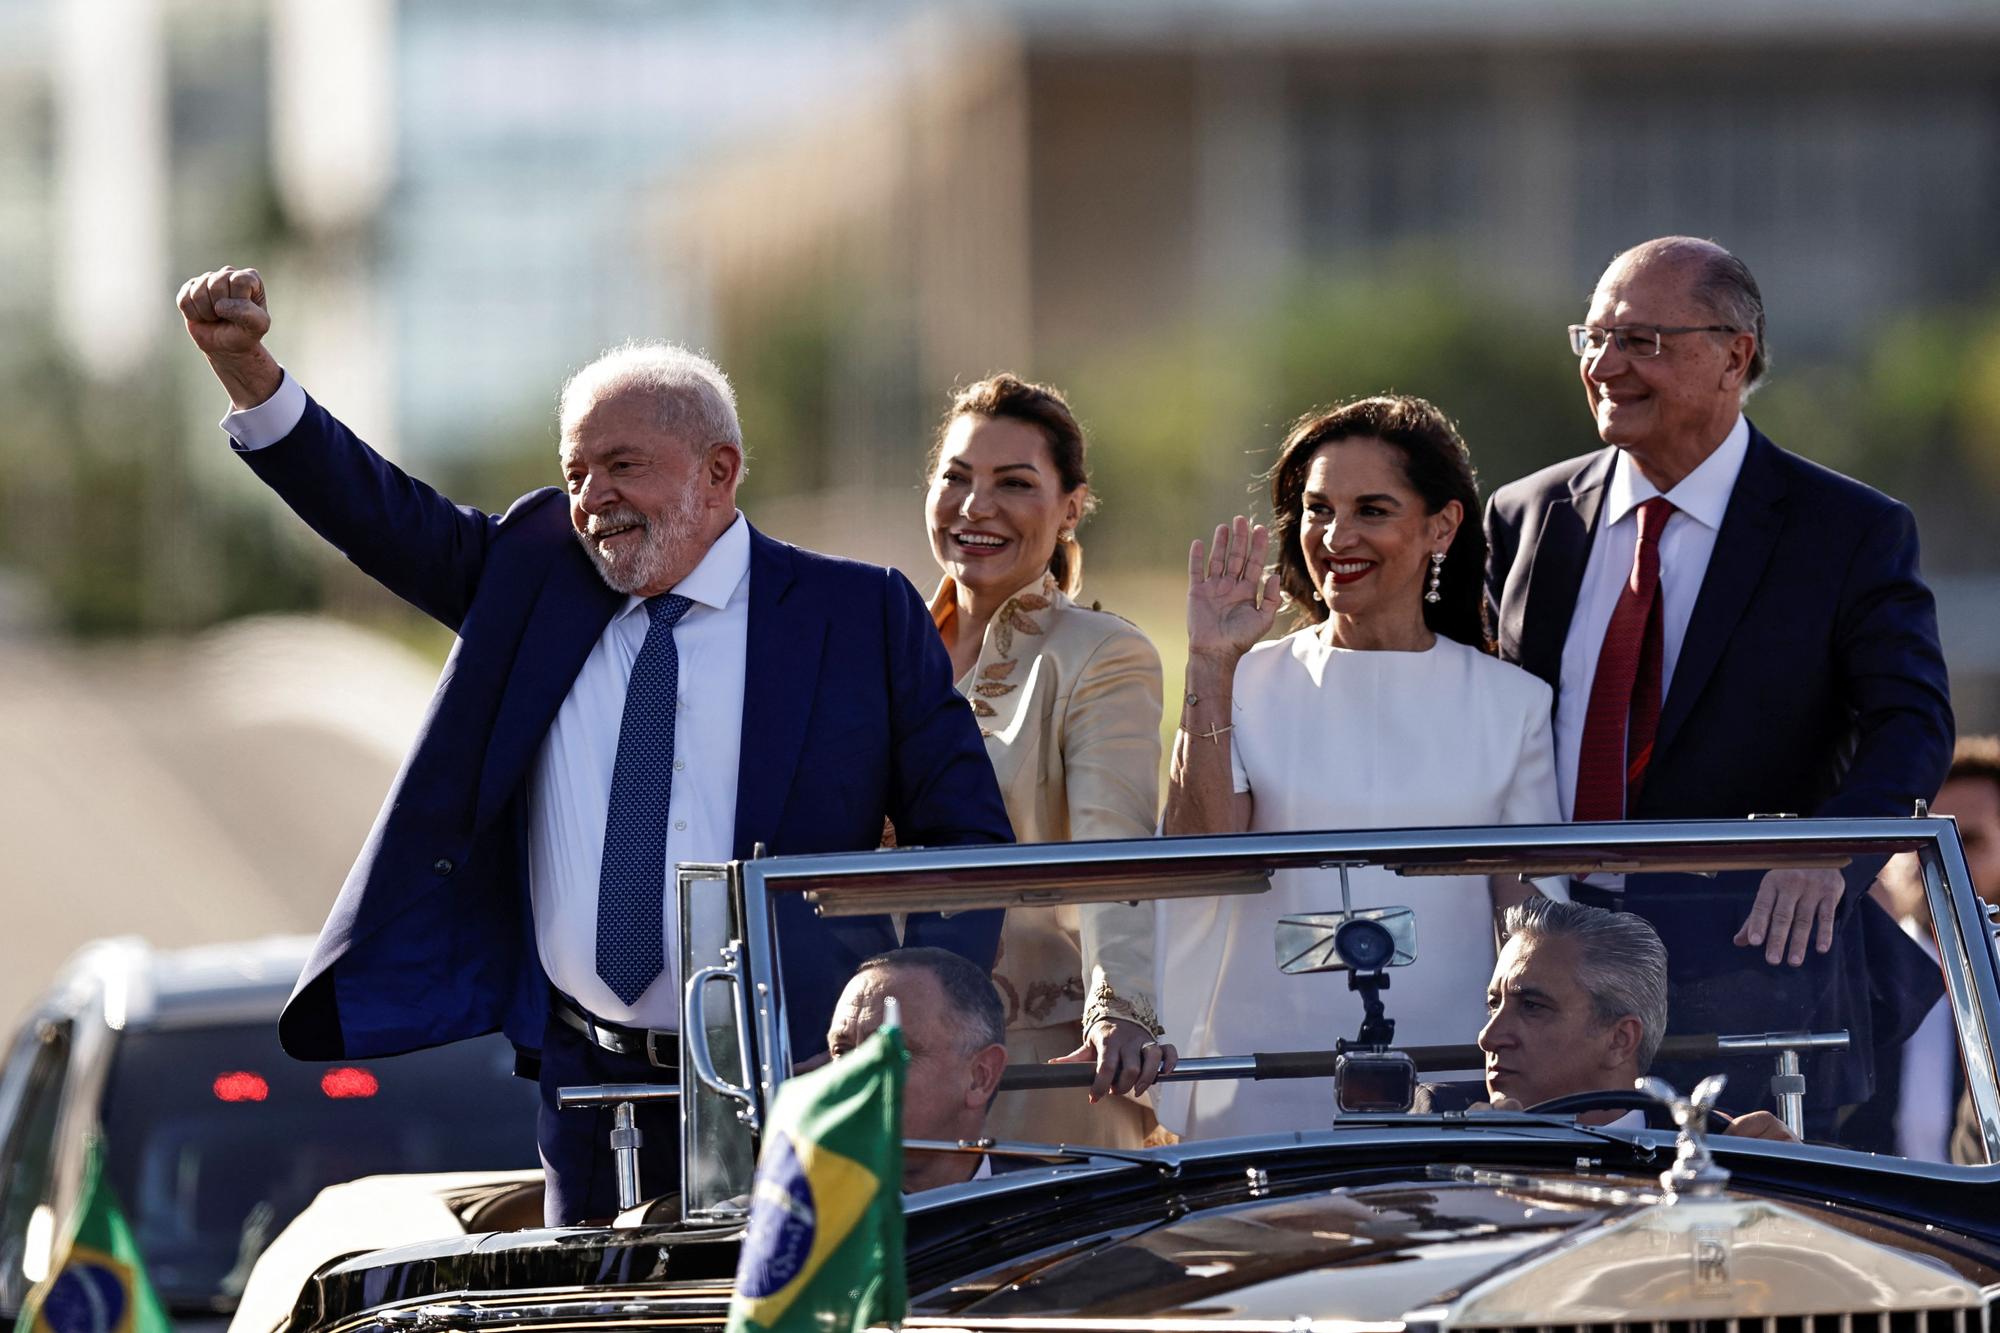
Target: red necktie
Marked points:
1611	765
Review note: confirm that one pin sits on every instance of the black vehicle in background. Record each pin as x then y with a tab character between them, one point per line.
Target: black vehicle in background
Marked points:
213	1137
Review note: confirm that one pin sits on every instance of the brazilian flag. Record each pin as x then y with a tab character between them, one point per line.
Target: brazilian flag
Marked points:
824	1250
101	1286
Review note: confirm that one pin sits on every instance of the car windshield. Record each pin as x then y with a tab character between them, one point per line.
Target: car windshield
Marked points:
1857	1045
216	1139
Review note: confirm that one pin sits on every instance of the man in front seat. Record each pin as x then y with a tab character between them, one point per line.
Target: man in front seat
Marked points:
956	1033
1578	1003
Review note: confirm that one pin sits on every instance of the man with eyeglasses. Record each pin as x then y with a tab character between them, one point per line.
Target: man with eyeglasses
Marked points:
1730	629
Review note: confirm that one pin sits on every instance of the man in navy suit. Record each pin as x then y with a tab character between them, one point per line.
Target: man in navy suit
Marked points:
640	679
1730	630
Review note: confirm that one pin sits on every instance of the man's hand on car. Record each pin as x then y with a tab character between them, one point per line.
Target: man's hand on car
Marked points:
1793	908
1760	1125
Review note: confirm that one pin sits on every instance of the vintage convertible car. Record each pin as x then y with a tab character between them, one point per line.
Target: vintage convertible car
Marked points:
1365	1216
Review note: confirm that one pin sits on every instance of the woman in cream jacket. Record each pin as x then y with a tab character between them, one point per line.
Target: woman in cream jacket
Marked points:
1068	700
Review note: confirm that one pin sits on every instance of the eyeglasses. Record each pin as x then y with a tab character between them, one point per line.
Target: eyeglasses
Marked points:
1634	340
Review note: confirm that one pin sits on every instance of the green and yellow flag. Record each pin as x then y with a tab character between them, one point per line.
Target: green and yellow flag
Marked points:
100	1284
824	1251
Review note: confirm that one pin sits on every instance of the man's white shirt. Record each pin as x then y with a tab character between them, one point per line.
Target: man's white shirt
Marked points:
570	787
1702	497
271	420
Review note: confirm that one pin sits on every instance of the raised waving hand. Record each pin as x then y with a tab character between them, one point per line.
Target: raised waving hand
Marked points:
1232	598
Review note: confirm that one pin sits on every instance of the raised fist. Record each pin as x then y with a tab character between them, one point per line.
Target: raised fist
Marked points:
227	319
225	311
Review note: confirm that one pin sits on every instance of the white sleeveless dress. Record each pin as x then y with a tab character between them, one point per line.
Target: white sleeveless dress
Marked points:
1329	738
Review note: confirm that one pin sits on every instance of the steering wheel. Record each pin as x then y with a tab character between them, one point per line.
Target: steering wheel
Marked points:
1618	1099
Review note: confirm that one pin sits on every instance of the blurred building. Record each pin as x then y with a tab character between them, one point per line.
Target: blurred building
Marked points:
453	199
1052	179
504	236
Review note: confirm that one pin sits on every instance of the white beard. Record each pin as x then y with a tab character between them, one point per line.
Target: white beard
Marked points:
664	541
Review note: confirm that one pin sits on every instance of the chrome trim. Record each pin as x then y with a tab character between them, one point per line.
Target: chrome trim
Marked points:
1609	1196
602	1094
1143	1324
443	1316
694	1040
761	962
626	1140
734	923
1310	848
1783	1041
1968	976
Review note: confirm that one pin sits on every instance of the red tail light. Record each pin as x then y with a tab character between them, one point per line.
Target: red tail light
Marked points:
348	1081
239	1085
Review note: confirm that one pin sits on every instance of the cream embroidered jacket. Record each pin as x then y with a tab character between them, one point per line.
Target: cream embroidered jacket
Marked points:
1069	700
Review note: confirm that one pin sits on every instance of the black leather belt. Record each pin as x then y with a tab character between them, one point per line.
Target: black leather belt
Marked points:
656	1046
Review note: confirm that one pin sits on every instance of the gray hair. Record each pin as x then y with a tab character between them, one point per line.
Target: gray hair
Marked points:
968	992
1723	283
690	392
1621	963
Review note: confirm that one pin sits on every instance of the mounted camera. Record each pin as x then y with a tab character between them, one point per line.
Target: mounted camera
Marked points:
1364	943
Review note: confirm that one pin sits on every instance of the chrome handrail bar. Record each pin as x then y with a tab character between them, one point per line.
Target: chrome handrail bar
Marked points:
1967	953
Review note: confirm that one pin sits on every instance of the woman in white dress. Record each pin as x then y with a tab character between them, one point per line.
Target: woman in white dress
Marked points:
1384	709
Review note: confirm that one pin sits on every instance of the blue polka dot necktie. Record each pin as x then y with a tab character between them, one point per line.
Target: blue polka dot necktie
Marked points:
631	886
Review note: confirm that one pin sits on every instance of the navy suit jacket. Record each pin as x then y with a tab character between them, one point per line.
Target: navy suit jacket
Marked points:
849	716
1810	682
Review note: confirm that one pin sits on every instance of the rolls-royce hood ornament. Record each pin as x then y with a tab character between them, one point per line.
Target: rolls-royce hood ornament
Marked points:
1694	1173
1699	1253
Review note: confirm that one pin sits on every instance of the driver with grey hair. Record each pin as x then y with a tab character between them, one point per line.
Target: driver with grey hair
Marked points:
956	1033
1578	1003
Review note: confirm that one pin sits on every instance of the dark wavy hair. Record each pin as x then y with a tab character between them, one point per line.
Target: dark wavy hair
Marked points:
1438	468
1012	398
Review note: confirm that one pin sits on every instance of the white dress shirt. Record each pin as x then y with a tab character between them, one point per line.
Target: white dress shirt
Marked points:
1702	497
570	787
271	420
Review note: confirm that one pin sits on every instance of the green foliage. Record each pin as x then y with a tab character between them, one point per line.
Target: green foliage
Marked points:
107	502
1917	414
100	502
785	379
1184	426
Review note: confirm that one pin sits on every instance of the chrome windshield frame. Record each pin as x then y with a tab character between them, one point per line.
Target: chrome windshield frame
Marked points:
1965	940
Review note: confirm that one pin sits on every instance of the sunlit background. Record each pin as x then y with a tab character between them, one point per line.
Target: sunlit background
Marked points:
1199	219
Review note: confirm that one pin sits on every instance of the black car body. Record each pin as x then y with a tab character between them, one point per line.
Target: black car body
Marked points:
1370	1221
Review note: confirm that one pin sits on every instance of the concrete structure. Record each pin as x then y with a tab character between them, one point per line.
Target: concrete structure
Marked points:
1053	179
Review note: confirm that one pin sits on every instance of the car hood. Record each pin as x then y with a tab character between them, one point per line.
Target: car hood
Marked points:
1372	1228
1469	1240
